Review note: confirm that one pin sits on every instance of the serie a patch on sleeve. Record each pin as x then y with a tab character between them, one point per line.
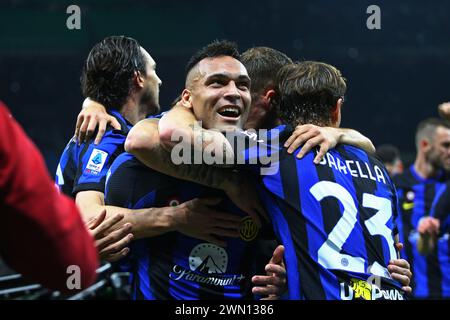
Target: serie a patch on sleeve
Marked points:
96	162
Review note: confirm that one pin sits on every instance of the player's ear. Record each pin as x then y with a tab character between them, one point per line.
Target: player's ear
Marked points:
186	98
336	113
267	98
425	145
139	78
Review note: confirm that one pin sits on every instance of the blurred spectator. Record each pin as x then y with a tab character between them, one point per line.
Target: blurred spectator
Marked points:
390	156
416	188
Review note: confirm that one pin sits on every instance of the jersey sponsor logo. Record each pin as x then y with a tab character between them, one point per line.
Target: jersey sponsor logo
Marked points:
408	204
357	289
208	258
96	162
248	230
208	264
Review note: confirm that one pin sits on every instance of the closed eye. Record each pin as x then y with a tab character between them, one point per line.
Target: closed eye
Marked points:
243	85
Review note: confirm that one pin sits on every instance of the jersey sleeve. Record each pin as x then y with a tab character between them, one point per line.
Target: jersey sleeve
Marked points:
41	233
95	161
116	179
258	152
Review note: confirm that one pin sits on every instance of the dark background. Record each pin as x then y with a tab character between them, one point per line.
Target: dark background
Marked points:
396	76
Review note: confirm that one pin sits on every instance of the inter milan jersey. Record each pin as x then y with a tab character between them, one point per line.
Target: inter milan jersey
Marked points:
173	265
335	219
83	167
441	208
431	271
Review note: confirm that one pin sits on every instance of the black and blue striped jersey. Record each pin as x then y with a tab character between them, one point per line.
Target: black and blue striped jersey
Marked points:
83	167
335	219
430	272
173	265
441	208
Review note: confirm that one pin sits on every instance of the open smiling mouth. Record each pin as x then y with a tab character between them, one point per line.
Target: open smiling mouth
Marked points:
229	112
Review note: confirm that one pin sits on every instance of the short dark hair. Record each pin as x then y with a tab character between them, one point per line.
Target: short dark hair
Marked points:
262	64
427	128
214	49
307	92
388	153
107	75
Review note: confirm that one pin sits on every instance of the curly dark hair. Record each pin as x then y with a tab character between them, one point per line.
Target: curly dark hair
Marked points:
107	75
307	92
214	49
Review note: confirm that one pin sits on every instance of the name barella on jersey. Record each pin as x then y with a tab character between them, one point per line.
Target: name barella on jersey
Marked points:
335	219
430	272
83	167
173	265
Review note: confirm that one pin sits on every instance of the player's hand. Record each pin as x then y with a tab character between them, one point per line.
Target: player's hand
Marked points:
400	270
93	114
196	218
310	136
244	195
429	226
444	110
111	244
274	284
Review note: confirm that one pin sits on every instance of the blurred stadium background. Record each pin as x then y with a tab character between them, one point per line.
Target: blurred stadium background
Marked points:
396	76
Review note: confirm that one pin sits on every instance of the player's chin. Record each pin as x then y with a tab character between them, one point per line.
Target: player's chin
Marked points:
228	125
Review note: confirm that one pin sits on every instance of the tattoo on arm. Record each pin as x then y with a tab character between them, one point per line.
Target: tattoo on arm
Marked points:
210	176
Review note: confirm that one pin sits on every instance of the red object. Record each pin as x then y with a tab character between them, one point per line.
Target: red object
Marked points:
41	230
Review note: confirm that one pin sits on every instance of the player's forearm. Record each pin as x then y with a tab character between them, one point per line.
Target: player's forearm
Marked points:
144	143
176	123
355	138
90	204
148	222
179	125
160	160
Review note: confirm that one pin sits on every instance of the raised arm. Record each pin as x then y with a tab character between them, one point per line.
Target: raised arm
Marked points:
93	115
308	136
181	122
144	142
